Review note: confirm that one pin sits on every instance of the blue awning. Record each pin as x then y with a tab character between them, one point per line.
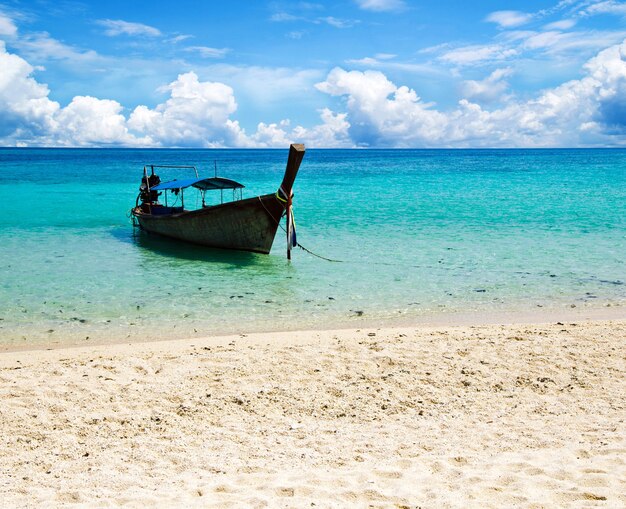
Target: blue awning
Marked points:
205	184
217	183
175	184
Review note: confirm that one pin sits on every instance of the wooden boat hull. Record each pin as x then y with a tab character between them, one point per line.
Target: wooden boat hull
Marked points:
245	225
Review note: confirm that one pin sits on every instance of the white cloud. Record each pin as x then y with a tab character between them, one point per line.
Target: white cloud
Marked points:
377	112
606	7
197	114
436	49
375	61
488	90
544	40
283	16
385	61
272	135
381	5
469	55
179	38
509	19
588	111
556	42
25	110
338	23
7	27
366	61
331	133
564	24
295	35
115	27
513	45
88	121
28	116
40	46
207	52
328	20
585	8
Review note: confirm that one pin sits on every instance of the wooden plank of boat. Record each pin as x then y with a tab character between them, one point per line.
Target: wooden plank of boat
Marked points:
247	225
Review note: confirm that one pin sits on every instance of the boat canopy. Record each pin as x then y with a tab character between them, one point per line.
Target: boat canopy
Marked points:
205	184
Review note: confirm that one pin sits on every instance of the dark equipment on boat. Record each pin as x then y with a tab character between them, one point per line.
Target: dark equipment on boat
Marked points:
146	193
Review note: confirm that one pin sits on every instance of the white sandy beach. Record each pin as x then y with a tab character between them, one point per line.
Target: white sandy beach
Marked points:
473	416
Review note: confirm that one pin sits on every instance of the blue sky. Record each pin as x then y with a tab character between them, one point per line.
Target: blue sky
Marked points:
352	73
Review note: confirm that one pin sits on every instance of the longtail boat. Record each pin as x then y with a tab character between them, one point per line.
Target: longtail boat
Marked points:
243	224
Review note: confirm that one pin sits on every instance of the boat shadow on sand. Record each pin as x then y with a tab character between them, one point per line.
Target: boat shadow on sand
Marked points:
152	244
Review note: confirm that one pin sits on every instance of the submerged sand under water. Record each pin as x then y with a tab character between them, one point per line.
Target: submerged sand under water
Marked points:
472	416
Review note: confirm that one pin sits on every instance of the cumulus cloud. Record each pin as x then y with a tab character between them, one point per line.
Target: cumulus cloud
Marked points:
115	27
588	111
196	114
375	112
379	113
29	117
488	90
88	121
26	111
331	133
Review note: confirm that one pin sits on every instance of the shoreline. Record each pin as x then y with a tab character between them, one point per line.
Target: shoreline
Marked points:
141	334
524	415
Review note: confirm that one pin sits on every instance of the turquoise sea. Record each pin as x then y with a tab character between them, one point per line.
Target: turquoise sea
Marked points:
421	234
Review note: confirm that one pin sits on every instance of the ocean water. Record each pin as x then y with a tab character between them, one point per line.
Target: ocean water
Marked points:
420	233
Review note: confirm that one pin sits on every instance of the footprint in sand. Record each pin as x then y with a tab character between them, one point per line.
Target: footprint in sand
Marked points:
285	492
593	481
393	474
575	496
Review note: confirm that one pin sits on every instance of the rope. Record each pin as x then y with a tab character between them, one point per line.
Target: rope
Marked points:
316	255
297	243
132	218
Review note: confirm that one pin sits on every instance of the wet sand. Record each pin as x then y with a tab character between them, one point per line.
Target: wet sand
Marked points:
530	415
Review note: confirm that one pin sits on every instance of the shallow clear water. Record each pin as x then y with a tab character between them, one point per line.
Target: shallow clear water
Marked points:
420	232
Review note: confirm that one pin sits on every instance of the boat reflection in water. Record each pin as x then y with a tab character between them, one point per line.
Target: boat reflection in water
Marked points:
163	250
